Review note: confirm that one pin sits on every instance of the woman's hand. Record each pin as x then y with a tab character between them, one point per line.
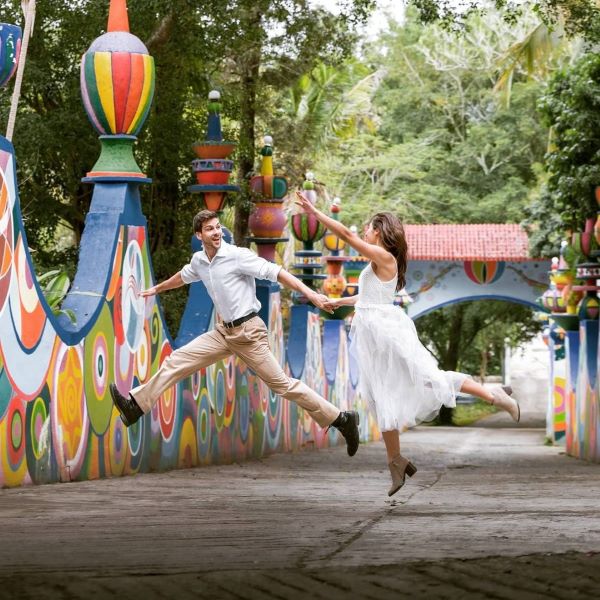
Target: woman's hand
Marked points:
331	304
304	203
320	301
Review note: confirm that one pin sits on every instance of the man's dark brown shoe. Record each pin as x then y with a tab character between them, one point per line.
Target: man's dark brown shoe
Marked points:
348	427
128	408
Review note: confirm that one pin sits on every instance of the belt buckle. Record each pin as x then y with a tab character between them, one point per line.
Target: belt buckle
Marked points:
228	325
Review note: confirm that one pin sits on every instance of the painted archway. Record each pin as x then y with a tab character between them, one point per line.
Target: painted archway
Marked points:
449	264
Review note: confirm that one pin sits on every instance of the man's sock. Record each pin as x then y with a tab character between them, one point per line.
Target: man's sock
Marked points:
339	420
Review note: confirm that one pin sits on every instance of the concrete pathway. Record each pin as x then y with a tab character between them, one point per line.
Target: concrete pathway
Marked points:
491	513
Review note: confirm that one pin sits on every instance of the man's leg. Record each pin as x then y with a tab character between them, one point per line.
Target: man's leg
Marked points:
251	344
201	352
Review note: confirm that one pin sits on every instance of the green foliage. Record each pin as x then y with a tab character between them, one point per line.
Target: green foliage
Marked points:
467	414
55	285
414	127
571	106
581	17
247	48
470	337
447	149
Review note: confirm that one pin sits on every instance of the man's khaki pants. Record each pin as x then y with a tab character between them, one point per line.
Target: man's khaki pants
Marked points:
249	341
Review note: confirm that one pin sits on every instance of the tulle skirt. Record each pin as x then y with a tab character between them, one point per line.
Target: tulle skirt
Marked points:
399	377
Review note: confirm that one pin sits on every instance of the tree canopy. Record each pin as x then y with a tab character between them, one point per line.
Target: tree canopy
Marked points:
414	122
580	17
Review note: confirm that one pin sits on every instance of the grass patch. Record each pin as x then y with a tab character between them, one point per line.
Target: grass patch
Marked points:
466	414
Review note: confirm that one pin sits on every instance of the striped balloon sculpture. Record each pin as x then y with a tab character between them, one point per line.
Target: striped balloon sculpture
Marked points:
306	228
117	87
117	90
10	49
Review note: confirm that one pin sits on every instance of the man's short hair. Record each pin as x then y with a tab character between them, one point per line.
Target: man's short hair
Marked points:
202	217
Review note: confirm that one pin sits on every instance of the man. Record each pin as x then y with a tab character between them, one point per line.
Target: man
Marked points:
229	274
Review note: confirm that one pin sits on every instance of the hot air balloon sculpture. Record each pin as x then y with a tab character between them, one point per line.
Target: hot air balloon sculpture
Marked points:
308	230
117	87
10	49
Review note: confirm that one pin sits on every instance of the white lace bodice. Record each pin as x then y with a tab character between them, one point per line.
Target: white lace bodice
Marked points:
371	290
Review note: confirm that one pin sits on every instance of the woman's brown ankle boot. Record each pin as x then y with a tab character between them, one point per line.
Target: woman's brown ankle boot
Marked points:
400	467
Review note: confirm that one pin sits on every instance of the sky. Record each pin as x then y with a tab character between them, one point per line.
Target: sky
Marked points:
378	21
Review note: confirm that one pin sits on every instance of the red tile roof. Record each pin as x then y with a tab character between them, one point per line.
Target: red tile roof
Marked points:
467	242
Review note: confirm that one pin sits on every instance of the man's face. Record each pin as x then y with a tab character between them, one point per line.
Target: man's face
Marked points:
211	234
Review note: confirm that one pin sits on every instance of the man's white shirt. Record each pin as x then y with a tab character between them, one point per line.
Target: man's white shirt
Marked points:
230	278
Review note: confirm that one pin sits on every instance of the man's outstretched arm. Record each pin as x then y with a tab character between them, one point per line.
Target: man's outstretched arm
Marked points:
289	281
170	284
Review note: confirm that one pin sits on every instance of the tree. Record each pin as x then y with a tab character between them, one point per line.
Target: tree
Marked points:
571	107
470	337
271	44
447	150
581	17
246	48
458	335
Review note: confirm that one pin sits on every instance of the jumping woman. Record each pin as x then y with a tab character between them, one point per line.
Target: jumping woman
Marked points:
399	377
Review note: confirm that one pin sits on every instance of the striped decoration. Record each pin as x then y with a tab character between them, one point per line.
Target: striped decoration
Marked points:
484	272
10	48
117	90
306	228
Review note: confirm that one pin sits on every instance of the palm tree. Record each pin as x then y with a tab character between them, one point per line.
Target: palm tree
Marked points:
543	48
332	103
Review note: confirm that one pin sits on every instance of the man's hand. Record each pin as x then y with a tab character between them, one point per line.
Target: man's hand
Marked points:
149	292
321	301
304	203
331	304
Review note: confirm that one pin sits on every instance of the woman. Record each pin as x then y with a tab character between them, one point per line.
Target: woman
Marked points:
398	376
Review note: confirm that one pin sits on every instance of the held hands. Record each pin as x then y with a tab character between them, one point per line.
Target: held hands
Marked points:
331	304
321	301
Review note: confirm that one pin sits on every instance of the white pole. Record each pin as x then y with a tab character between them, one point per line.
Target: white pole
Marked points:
507	357
29	18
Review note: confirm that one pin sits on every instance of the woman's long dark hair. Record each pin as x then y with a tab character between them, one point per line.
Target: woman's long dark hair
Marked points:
391	233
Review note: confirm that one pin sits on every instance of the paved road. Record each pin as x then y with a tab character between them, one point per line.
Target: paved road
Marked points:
492	513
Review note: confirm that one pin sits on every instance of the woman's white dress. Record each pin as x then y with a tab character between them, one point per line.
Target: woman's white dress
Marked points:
399	377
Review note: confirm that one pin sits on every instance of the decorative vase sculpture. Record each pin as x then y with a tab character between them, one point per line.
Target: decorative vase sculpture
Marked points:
588	308
307	229
335	284
268	220
10	50
597	223
587	271
561	298
117	87
212	167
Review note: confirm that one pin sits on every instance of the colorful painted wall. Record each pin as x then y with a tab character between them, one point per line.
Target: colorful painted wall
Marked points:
583	399
558	394
57	421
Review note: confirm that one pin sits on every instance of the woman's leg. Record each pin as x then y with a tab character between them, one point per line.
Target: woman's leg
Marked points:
476	389
399	466
391	439
496	396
